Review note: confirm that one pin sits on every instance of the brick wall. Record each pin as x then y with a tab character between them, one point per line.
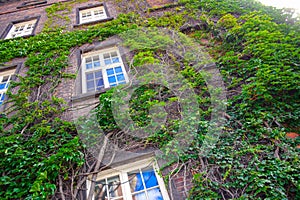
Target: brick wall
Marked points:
158	3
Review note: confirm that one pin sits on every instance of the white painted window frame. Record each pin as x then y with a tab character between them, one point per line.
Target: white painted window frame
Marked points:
122	171
93	16
28	27
102	67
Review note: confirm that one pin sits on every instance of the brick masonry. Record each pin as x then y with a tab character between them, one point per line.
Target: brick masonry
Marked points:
69	89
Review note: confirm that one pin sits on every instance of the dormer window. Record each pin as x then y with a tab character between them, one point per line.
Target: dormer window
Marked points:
19	29
92	14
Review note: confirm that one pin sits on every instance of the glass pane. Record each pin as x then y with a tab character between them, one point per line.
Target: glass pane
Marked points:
135	181
150	178
90	85
90	76
2	97
98	12
114	187
5	78
88	60
120	77
112	79
115	60
118	69
2	86
110	72
100	190
155	194
107	62
97	64
114	54
95	58
89	66
106	55
140	196
98	74
100	83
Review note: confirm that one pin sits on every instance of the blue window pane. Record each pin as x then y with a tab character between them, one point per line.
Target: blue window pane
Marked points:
150	179
89	66
98	74
100	83
2	86
90	85
155	194
107	62
115	60
112	79
97	64
89	76
140	196
118	69
136	183
2	97
110	72
120	77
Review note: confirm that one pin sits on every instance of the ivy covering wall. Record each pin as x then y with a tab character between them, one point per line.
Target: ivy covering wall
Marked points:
256	49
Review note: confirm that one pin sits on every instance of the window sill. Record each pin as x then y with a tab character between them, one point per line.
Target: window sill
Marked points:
24	36
93	22
88	95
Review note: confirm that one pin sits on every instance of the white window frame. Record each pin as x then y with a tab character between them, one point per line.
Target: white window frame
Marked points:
21	29
3	74
123	170
93	16
102	67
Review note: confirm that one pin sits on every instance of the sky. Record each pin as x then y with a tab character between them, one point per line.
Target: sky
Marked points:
283	3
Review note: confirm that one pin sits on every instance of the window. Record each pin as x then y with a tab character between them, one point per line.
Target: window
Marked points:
102	69
135	181
5	78
92	14
21	29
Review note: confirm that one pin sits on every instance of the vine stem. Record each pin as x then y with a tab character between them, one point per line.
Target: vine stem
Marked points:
99	159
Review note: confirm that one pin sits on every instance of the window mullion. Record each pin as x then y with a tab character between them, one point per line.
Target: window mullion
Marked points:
24	30
104	74
125	186
84	71
143	181
107	189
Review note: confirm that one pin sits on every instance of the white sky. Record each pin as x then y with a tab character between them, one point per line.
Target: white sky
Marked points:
283	3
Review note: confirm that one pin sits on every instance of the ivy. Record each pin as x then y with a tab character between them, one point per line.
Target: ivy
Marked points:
257	52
